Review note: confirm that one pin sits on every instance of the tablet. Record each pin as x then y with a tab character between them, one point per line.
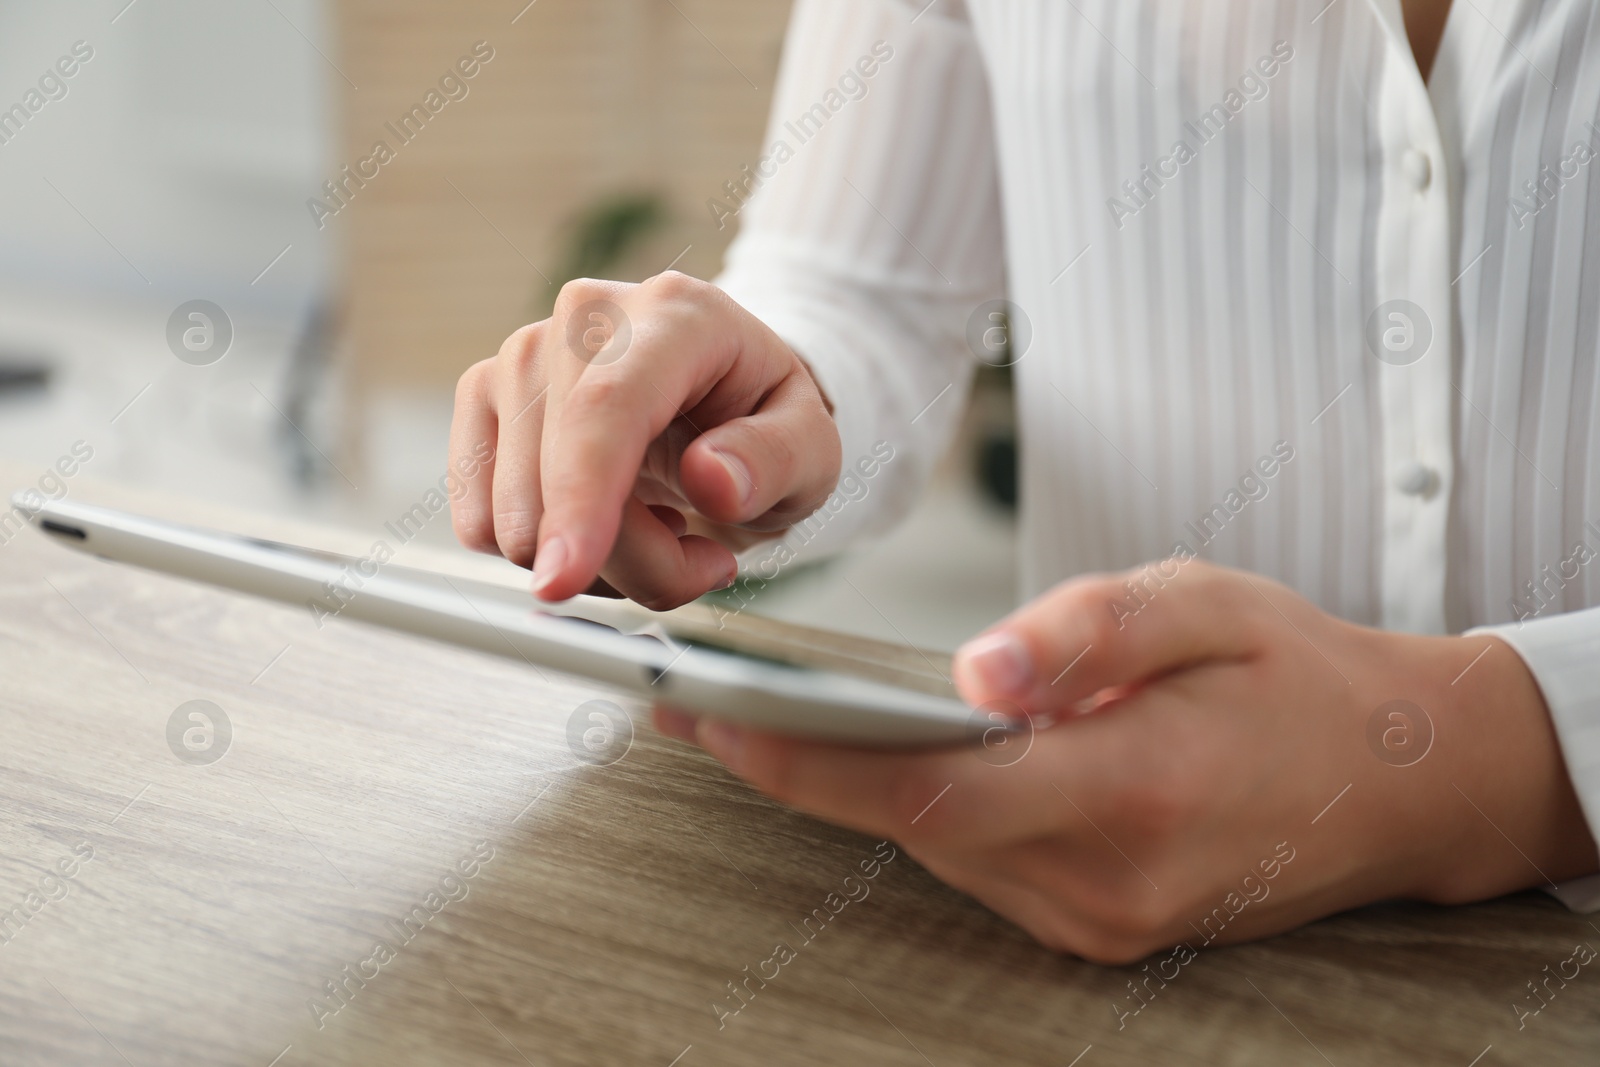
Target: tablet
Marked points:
335	590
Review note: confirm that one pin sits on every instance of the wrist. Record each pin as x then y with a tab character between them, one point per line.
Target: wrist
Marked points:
1508	814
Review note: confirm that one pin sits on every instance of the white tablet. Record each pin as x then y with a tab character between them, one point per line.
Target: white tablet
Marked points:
759	692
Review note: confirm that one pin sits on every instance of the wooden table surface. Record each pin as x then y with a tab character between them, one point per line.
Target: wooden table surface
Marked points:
564	910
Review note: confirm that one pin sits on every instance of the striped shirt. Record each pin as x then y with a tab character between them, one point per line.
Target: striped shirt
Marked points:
1268	296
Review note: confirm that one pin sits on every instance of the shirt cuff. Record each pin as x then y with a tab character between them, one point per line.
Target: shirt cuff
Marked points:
1563	653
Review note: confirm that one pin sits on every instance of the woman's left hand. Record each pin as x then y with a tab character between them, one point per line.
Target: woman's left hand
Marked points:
1250	763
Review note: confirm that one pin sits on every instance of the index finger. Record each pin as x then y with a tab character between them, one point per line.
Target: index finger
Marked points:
642	358
947	797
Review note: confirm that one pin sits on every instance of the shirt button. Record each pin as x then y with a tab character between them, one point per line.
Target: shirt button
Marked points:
1414	479
1417	168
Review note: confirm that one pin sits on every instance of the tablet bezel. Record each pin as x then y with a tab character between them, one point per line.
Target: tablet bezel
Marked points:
802	701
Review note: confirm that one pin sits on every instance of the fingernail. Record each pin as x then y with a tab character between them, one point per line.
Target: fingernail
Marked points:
547	564
1000	661
724	742
733	576
743	484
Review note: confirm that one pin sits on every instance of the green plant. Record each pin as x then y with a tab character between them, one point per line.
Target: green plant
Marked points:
603	236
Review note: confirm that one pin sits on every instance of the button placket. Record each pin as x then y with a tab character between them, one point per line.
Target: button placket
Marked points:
1410	333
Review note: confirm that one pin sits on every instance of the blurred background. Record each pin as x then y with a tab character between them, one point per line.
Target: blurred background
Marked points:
224	153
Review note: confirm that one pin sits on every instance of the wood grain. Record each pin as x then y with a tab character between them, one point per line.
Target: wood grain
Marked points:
618	904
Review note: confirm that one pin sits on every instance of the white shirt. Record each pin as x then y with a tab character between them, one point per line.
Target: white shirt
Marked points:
1286	304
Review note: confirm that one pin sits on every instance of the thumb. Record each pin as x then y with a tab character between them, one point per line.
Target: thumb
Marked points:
770	468
1097	632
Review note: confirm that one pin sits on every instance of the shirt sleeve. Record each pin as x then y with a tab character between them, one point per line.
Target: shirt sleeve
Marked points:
870	234
1563	653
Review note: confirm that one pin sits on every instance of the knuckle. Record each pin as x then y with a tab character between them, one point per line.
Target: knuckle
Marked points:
1092	604
1231	593
1204	576
522	346
1249	608
1130	592
685	306
473	385
582	304
472	528
516	532
1133	919
1103	612
1109	921
1069	932
579	291
675	285
1052	930
1055	937
595	395
1111	949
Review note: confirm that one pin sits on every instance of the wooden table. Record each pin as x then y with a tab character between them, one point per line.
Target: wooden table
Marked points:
580	913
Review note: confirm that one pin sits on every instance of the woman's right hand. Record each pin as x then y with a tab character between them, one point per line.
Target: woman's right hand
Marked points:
632	415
